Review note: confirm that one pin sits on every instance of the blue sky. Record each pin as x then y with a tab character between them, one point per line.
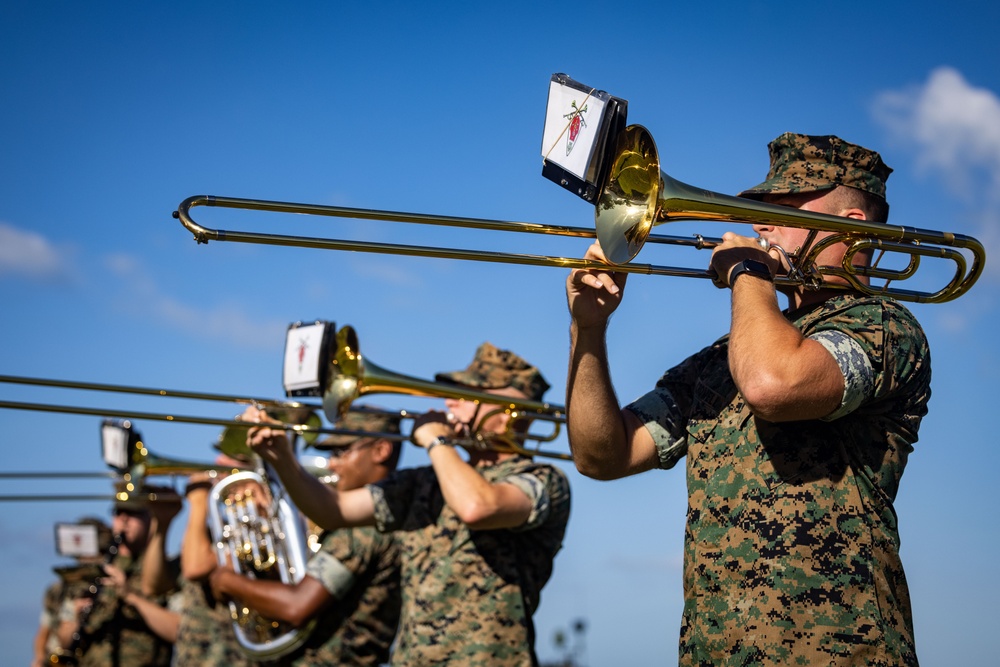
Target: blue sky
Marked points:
113	113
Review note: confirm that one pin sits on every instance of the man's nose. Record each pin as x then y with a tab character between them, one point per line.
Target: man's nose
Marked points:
761	228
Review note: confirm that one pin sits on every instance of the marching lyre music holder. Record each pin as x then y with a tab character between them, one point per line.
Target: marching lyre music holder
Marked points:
581	127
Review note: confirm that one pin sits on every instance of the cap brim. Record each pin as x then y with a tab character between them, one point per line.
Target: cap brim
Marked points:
466	379
780	186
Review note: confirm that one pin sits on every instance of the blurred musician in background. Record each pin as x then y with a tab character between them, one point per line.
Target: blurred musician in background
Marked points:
351	586
205	636
109	630
74	581
478	537
796	428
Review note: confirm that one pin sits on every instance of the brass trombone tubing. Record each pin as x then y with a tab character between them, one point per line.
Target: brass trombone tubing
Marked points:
211	421
64	498
155	416
152	391
300	429
56	475
674	204
676	199
205	234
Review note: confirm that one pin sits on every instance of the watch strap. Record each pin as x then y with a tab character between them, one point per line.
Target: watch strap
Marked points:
753	267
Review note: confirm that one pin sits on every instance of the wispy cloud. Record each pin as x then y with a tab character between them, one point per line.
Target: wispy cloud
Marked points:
30	255
953	130
227	322
954	127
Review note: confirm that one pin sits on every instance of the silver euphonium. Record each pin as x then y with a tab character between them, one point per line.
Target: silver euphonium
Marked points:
260	534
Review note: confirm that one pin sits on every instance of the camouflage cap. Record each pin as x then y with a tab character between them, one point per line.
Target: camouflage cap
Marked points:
377	421
807	163
493	368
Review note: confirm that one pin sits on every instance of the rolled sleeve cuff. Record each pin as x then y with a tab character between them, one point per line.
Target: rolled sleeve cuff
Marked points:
534	488
333	574
659	413
859	376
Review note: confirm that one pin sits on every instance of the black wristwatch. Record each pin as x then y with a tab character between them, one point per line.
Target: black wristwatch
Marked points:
754	267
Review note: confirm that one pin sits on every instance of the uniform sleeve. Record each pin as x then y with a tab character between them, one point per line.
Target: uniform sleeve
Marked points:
660	414
884	335
855	366
343	553
665	410
176	602
546	487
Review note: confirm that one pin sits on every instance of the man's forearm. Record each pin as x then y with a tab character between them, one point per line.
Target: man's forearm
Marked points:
198	557
597	433
157	577
160	620
316	500
274	600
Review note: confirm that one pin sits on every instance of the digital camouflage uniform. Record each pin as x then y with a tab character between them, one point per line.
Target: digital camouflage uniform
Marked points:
469	595
205	637
791	545
51	616
359	567
115	633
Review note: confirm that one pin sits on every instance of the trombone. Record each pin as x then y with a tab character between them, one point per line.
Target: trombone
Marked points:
354	376
636	197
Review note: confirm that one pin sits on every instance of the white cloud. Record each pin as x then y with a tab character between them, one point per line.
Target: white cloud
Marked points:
225	322
29	254
954	127
221	322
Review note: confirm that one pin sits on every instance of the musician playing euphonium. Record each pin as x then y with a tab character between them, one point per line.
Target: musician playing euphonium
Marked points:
351	585
478	536
796	428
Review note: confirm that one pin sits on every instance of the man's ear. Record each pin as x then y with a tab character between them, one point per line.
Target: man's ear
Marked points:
855	213
381	450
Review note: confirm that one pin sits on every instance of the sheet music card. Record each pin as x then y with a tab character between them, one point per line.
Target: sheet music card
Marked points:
581	125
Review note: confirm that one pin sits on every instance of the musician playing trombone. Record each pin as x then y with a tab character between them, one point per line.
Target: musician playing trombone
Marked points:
351	587
118	625
796	427
477	535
